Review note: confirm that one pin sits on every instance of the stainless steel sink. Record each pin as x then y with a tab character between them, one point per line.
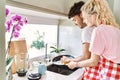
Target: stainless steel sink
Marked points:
61	69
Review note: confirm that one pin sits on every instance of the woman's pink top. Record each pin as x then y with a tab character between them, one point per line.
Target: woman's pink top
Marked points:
105	41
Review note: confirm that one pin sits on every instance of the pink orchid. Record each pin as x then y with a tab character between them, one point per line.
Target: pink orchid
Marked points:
13	26
7	11
16	17
15	22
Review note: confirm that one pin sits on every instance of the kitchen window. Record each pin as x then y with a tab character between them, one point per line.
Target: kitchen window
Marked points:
48	33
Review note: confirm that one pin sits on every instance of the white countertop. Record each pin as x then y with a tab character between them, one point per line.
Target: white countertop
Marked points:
55	76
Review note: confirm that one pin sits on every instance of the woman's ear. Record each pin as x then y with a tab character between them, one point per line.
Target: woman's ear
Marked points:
97	21
94	16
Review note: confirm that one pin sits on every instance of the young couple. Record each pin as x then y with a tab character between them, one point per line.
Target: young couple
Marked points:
101	44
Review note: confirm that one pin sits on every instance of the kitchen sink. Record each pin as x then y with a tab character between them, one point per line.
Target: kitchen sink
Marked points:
61	69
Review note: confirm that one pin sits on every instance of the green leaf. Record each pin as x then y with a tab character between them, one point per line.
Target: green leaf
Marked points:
56	50
9	60
53	47
62	49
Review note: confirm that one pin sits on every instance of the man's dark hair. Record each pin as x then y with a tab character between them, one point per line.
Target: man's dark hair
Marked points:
75	9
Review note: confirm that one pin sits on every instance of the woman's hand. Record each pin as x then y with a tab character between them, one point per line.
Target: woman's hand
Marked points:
72	64
65	60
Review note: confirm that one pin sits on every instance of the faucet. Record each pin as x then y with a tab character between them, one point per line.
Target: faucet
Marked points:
46	51
46	55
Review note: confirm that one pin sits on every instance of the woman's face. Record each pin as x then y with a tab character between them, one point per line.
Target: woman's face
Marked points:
90	20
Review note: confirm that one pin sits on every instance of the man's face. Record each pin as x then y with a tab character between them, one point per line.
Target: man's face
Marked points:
78	21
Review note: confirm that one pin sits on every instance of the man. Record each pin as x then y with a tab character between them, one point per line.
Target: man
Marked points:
76	16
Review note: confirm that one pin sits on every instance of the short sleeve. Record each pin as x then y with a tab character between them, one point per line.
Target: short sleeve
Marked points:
97	43
86	35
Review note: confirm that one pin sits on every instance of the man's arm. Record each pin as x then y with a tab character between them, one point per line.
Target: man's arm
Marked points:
86	53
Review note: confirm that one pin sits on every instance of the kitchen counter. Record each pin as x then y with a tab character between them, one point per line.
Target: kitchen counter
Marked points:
55	76
49	75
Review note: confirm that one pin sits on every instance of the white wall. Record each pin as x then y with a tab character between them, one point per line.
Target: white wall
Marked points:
117	10
70	38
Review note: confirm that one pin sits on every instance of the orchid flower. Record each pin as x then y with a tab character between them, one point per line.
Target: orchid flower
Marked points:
13	26
15	23
7	11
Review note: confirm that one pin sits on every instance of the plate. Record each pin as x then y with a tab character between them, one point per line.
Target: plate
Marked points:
57	58
58	63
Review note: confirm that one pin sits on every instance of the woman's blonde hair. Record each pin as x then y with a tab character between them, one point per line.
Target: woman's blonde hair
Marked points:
101	8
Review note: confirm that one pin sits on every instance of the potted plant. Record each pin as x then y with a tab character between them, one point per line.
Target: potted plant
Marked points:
39	42
56	50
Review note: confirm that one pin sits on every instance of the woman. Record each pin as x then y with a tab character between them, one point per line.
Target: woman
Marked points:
104	45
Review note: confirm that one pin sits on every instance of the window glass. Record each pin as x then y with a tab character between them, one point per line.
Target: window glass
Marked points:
45	33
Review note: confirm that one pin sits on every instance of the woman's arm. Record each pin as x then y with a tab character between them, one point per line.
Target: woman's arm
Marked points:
93	61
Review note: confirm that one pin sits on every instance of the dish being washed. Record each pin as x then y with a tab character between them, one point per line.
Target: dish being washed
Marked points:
57	61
